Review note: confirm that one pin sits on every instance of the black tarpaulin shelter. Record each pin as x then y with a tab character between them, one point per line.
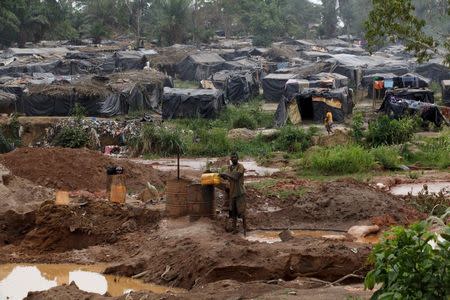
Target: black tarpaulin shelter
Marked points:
238	86
446	92
397	107
7	102
313	104
273	85
197	67
192	103
422	95
327	80
435	70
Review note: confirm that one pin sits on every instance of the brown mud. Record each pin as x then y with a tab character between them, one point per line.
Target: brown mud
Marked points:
75	169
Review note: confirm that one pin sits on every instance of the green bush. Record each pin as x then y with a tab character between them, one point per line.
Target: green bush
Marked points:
243	120
71	137
157	140
209	142
293	139
339	160
434	152
386	131
387	156
357	127
407	266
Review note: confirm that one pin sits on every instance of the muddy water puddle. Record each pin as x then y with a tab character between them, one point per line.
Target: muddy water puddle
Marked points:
415	188
16	280
272	236
199	164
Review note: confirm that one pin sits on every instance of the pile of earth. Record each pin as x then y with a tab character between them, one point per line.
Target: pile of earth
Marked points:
192	255
20	195
226	289
76	169
337	205
59	228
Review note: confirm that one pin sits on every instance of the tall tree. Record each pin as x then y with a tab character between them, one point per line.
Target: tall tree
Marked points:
329	18
396	20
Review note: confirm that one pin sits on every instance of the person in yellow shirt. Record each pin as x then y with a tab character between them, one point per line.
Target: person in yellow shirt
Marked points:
329	122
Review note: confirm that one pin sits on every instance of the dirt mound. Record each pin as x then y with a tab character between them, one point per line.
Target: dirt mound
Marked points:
22	195
54	228
75	169
337	205
68	292
166	258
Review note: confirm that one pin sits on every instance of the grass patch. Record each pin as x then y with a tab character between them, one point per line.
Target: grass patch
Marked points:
433	152
294	139
154	140
387	156
339	160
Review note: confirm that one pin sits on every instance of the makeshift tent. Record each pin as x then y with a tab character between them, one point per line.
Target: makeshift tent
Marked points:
422	95
328	80
385	81
273	85
435	70
129	60
197	67
191	103
397	107
7	102
446	92
238	86
313	104
117	94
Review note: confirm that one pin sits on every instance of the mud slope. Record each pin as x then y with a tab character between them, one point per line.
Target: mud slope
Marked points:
74	169
337	205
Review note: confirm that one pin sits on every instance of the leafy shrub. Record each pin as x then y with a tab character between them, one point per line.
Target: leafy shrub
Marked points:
387	156
157	140
293	139
386	131
243	120
343	159
209	142
71	137
357	127
433	153
408	267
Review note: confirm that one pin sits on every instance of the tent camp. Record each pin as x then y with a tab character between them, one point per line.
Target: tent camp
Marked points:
273	85
192	103
398	107
446	92
197	67
238	86
421	95
313	104
387	81
117	94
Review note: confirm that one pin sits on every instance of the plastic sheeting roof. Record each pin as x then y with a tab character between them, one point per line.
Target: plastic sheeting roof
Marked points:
207	58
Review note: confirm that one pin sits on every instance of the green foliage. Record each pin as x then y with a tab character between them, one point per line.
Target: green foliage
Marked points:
339	160
386	131
78	112
293	139
243	120
394	20
407	266
157	140
209	142
430	203
387	156
433	152
357	127
71	137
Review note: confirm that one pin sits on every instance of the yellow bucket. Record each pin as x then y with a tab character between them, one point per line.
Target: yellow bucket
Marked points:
118	191
62	198
210	179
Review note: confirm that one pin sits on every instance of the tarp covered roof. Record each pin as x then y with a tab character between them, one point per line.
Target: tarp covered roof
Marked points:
207	58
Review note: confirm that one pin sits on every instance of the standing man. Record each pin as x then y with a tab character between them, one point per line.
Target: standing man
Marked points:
237	202
329	122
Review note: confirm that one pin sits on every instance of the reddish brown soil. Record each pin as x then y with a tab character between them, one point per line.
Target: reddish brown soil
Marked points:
54	228
75	169
335	205
227	289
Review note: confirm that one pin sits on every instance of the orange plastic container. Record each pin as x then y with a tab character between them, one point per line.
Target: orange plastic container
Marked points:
210	179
